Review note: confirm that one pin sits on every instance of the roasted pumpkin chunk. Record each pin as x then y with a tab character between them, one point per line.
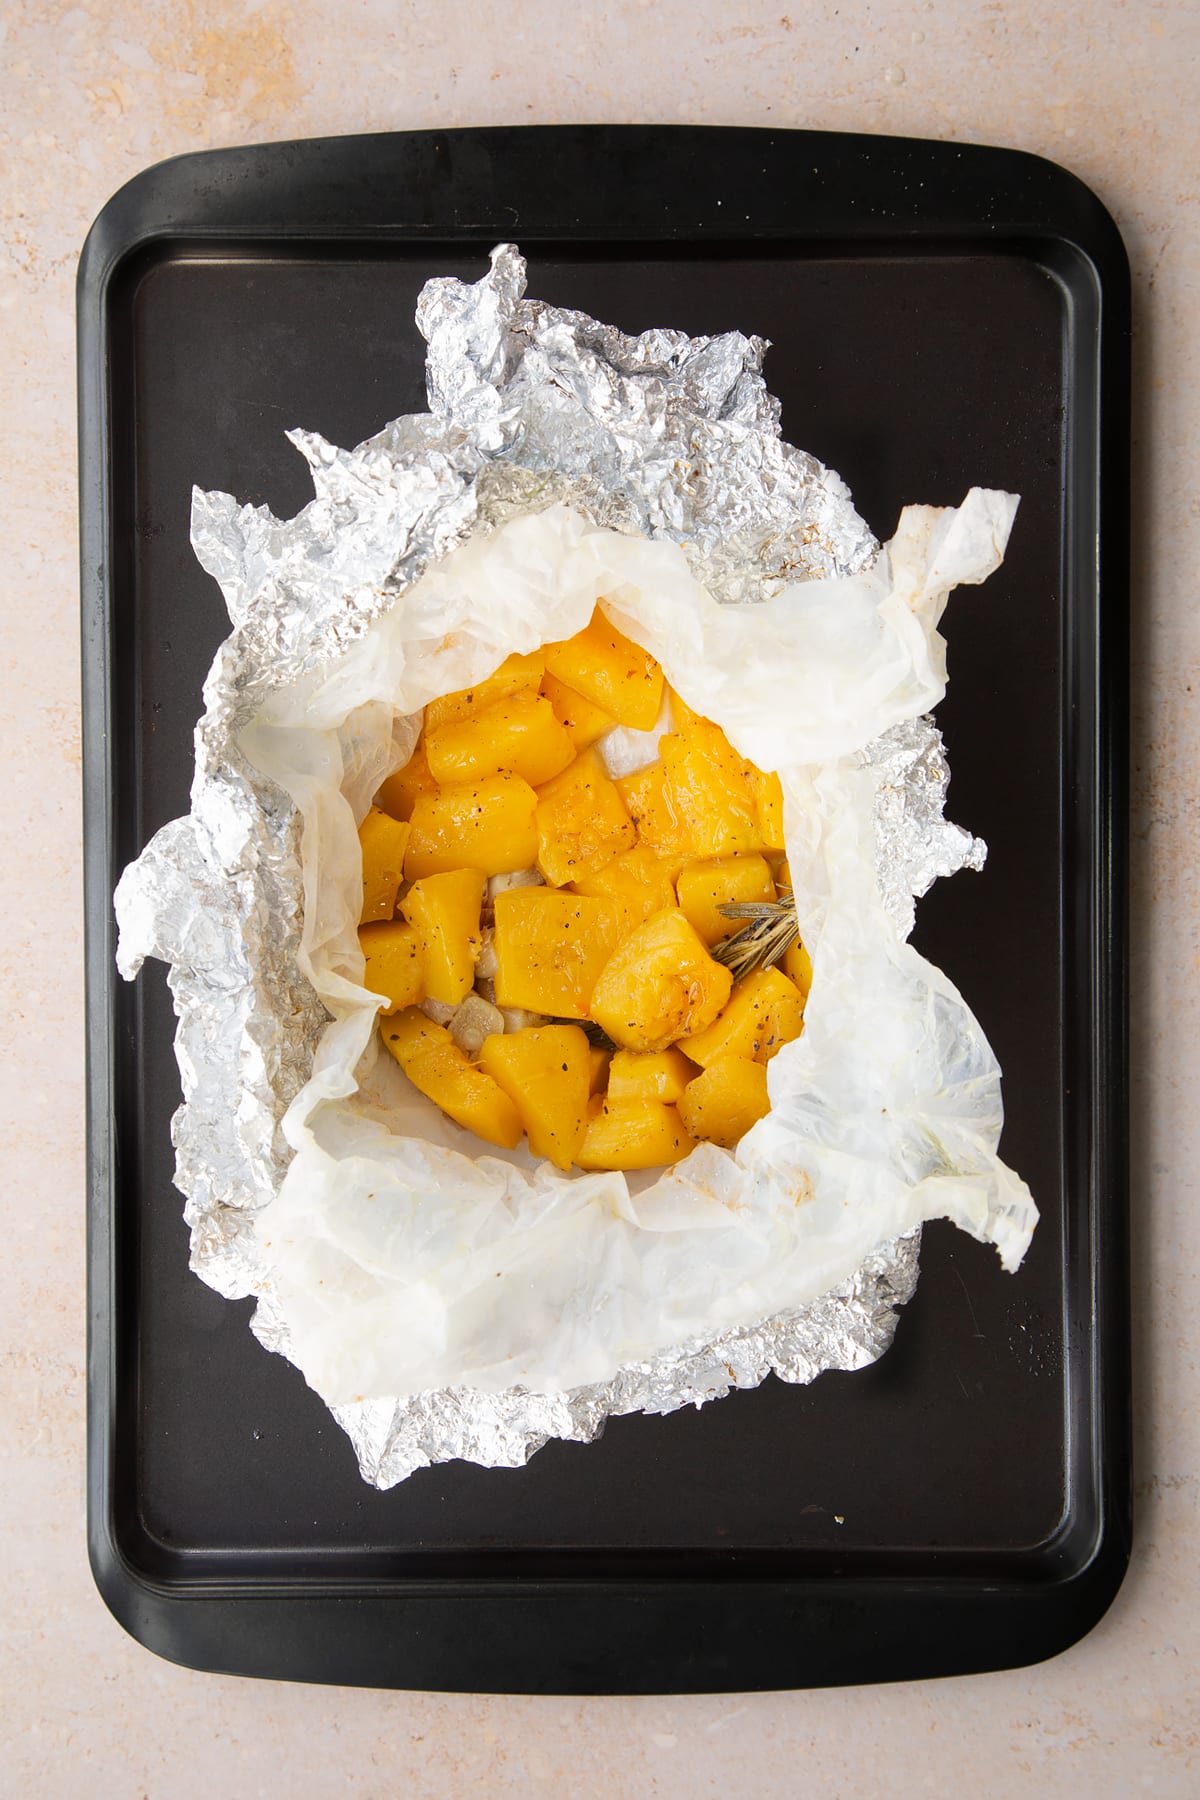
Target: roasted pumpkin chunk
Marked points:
383	842
649	1075
660	826
582	720
660	984
641	882
516	674
765	1012
633	1134
518	732
581	821
797	966
768	796
546	1073
400	792
486	824
704	887
394	967
436	1066
611	671
550	948
725	1100
444	909
711	790
412	1033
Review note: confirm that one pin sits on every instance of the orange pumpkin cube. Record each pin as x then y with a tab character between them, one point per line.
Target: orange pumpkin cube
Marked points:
659	984
545	1070
633	1134
649	1075
660	827
518	732
401	791
487	824
444	909
437	1067
704	887
768	796
550	947
765	1012
723	1102
383	842
411	1033
393	957
797	966
581	719
710	788
639	880
516	674
581	821
611	671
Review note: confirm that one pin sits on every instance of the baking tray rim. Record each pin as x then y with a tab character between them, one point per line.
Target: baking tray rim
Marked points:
200	199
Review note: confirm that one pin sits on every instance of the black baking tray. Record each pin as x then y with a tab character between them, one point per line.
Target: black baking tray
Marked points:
941	315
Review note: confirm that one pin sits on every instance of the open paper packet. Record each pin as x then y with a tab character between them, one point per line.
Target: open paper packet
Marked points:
447	1298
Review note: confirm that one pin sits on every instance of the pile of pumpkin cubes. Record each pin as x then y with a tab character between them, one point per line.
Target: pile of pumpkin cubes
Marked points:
541	932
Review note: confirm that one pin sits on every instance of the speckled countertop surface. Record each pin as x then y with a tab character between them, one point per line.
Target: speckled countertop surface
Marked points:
90	94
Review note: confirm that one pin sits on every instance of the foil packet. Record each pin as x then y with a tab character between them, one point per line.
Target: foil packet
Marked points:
561	459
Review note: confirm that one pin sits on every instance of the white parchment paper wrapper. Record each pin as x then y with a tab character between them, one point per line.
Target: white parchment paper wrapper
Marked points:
444	1298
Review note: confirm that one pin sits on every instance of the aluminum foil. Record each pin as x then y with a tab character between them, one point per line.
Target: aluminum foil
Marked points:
661	435
914	844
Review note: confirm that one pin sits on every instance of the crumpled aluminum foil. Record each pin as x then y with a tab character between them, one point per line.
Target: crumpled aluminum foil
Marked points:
662	435
914	844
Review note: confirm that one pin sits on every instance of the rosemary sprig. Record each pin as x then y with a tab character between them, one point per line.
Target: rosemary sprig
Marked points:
771	931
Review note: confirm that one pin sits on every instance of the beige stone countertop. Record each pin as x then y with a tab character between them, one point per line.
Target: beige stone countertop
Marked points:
92	92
